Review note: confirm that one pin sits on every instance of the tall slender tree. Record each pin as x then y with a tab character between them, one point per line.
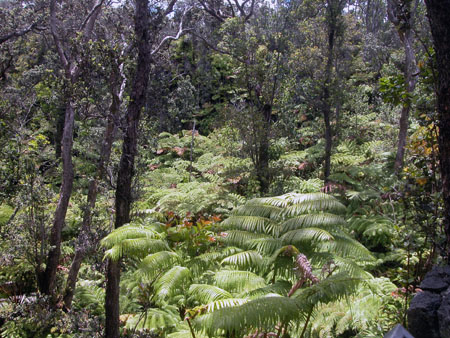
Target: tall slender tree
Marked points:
129	150
70	64
438	15
147	25
333	15
401	14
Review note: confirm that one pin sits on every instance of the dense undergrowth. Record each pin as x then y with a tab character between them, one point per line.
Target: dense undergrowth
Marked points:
205	255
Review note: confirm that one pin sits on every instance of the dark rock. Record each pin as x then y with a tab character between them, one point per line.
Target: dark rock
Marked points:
398	332
422	315
433	284
444	315
436	280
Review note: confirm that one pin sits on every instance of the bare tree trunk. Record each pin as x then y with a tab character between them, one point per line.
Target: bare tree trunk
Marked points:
438	15
334	8
401	15
47	280
84	243
126	166
262	163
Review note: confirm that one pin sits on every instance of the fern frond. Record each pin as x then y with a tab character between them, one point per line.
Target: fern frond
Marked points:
257	209
153	320
279	201
245	260
262	313
171	282
314	205
183	331
128	232
157	262
346	246
325	220
224	303
136	247
242	238
306	236
250	223
89	296
266	246
280	287
205	293
238	281
331	289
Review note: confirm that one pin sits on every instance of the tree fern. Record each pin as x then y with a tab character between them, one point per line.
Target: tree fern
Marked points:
205	293
300	237
262	313
89	296
242	239
153	264
322	220
154	320
136	247
238	281
130	231
245	260
330	289
250	223
171	282
360	312
278	230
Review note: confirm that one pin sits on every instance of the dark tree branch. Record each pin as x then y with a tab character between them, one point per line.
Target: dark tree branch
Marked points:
14	35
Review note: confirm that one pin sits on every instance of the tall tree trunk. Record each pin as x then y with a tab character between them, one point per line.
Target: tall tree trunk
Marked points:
438	15
334	11
47	280
401	14
126	166
262	163
84	243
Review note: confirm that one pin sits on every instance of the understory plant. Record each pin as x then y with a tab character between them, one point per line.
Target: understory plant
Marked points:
267	269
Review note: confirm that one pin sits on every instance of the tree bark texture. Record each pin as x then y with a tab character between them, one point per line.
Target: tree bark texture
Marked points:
123	197
401	13
438	15
47	280
262	156
334	10
84	243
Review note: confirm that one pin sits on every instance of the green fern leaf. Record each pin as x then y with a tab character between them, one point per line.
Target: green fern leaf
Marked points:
136	247
322	220
242	238
171	282
205	293
245	260
235	280
305	236
157	262
128	232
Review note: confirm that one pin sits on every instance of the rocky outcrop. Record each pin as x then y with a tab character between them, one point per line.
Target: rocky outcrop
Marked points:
429	312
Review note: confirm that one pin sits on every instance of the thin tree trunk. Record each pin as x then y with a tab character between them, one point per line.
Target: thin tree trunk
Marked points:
47	280
401	15
326	109
262	164
126	166
438	15
84	244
